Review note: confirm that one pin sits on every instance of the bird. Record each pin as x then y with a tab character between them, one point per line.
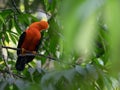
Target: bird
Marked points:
30	41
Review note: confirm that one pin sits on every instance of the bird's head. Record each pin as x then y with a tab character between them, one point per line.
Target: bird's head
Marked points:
44	24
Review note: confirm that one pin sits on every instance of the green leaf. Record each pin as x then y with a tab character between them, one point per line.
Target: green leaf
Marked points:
16	34
92	72
2	19
22	85
23	19
81	70
3	85
7	37
18	29
69	75
12	37
31	70
10	80
33	19
5	13
11	24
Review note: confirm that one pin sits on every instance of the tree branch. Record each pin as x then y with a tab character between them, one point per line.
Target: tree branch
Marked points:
29	53
37	54
7	47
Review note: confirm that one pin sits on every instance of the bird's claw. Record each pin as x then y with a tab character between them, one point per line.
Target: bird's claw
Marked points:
23	51
34	52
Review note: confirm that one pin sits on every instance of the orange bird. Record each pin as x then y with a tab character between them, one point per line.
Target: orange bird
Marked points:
29	41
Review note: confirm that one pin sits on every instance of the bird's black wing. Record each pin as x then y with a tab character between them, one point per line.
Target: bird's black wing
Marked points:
20	42
20	63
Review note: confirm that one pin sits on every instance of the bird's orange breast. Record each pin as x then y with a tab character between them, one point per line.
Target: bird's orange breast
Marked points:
31	39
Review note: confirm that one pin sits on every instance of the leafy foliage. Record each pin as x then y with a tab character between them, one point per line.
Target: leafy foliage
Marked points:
83	36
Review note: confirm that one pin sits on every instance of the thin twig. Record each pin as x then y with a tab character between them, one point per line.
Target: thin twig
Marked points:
37	54
7	47
29	53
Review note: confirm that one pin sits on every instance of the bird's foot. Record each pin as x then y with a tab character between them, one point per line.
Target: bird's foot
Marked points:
34	52
23	51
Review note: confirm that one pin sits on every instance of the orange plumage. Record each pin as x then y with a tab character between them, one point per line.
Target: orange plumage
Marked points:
29	40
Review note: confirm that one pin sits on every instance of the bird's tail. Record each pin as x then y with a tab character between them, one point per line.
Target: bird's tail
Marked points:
20	64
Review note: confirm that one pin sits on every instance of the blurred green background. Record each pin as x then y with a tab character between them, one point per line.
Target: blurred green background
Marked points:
83	35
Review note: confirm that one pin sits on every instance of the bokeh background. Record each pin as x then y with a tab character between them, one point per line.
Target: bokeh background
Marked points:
82	41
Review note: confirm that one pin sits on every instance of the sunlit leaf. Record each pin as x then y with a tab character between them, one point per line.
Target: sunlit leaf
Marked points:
12	38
